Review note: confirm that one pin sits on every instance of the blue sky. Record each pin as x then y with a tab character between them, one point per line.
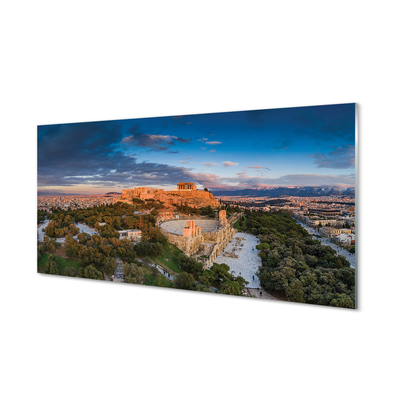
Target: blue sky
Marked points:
304	146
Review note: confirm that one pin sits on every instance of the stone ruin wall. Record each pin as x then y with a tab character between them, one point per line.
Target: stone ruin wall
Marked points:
189	245
192	242
224	235
200	194
140	192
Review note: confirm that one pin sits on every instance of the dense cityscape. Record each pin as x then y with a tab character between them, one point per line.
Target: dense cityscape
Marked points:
339	221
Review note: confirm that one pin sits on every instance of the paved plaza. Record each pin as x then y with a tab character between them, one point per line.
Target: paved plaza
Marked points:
248	261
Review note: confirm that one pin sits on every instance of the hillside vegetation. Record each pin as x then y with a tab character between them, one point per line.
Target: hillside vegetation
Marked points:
296	266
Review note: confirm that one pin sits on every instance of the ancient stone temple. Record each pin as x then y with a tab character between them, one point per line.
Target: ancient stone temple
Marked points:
186	186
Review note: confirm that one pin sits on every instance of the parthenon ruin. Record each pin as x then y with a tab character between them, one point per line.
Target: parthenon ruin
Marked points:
186	186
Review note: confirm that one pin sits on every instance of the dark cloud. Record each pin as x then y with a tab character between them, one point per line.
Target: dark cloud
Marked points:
153	142
90	154
338	158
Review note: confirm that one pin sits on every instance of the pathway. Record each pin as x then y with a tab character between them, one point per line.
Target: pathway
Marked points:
163	270
118	274
261	294
340	251
248	261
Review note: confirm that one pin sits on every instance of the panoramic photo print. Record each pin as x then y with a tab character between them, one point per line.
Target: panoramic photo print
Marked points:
258	204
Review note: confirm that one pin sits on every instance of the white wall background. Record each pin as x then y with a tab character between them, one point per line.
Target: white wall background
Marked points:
98	60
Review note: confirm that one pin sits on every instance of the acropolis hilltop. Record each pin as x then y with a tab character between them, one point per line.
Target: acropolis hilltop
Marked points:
186	192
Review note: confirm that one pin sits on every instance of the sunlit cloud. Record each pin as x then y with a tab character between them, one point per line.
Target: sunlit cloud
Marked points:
214	143
229	163
209	164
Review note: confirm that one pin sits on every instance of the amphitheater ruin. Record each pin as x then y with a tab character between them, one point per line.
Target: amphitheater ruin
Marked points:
201	239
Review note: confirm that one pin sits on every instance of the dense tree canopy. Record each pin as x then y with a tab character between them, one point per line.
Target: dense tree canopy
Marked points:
100	252
133	273
184	281
90	272
217	276
51	266
298	267
115	216
61	227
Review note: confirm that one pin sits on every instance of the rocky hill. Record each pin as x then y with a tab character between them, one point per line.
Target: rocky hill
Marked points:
193	198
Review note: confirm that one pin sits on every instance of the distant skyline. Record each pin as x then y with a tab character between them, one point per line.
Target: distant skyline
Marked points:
302	146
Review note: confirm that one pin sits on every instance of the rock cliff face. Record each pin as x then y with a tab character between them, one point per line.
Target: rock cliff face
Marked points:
193	198
141	192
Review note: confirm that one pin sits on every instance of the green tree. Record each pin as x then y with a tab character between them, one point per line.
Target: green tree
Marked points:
342	300
295	292
189	264
133	273
338	264
202	288
109	266
221	271
231	287
184	281
51	266
90	272
69	271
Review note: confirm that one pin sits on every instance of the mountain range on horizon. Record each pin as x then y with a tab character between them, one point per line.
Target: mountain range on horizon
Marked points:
300	191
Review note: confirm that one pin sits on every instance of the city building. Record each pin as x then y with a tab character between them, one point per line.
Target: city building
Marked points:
132	234
325	211
330	231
